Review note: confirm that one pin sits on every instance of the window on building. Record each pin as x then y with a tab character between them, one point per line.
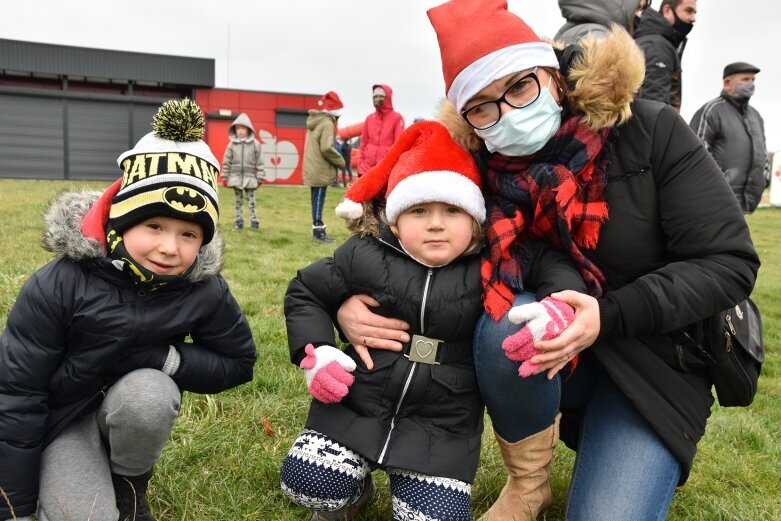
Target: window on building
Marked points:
290	118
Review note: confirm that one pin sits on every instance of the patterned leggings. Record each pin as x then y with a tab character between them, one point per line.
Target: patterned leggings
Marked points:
320	474
239	193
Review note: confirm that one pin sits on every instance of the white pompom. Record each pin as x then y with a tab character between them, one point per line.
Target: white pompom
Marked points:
348	209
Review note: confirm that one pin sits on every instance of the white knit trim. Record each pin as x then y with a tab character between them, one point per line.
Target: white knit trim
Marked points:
481	73
337	113
172	361
437	186
151	144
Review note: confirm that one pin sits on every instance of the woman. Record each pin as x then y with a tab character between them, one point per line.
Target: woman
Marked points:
631	194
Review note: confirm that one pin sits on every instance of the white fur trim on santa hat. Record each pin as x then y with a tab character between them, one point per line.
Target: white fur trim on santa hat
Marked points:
337	113
348	209
152	144
481	73
437	186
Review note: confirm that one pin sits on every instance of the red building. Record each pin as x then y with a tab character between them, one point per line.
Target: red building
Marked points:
279	120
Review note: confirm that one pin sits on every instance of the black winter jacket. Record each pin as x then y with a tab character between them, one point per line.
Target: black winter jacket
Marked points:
663	48
734	133
73	323
437	427
675	250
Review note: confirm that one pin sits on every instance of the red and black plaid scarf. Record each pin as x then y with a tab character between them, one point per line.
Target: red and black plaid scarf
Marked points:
555	195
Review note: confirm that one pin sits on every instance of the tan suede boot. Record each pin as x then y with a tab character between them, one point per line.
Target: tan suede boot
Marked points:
527	491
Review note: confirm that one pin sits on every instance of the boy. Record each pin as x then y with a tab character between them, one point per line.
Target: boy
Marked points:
93	358
418	414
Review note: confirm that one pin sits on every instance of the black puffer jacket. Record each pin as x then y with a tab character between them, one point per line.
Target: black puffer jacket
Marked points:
437	427
72	324
734	133
663	47
675	250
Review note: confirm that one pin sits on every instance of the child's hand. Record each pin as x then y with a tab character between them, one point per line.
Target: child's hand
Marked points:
544	320
327	371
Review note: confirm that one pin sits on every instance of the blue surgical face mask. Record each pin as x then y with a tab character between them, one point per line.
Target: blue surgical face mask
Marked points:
745	90
522	132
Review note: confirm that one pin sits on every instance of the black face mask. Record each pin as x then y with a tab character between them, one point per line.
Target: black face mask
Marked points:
682	27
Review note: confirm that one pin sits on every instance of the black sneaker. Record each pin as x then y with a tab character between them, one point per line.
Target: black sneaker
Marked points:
130	492
349	512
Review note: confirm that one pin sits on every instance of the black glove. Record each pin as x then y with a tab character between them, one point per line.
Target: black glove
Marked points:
139	357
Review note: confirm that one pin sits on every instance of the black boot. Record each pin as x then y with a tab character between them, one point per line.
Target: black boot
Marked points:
318	234
130	492
349	512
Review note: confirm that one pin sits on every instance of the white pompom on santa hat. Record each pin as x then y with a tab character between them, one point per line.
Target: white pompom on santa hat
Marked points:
424	165
481	41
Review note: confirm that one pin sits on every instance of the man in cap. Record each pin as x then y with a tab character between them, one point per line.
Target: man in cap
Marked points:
734	133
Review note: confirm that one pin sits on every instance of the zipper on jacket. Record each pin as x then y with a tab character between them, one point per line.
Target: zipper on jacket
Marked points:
411	373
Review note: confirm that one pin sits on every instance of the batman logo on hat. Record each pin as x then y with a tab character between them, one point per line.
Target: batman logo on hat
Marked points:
184	199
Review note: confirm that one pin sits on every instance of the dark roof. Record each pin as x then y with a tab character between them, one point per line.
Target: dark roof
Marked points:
65	60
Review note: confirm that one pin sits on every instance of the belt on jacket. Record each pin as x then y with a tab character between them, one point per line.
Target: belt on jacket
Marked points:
433	351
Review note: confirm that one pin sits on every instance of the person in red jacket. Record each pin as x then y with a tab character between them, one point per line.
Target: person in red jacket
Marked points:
380	130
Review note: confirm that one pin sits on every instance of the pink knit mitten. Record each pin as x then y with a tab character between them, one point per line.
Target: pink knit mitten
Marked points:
544	320
327	371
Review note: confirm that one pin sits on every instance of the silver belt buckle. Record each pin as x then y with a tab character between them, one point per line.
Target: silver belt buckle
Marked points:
423	349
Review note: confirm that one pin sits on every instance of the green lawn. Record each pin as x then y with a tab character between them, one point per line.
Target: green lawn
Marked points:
223	461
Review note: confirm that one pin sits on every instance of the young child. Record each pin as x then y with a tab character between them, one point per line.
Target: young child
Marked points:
417	414
96	352
242	167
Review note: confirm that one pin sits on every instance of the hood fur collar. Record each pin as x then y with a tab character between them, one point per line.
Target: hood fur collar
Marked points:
63	236
603	82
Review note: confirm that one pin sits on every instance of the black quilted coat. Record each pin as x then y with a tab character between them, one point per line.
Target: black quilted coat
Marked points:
414	416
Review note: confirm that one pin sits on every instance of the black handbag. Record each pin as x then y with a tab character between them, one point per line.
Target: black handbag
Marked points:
732	345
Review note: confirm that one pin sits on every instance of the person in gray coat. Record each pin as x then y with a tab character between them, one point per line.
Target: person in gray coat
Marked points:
595	17
734	133
242	167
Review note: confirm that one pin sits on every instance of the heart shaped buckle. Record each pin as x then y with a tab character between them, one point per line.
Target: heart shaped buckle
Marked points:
423	349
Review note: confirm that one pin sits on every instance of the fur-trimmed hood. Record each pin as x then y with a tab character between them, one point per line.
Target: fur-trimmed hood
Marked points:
63	236
603	81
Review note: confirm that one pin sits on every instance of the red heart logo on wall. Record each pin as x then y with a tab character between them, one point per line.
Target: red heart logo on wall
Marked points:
276	160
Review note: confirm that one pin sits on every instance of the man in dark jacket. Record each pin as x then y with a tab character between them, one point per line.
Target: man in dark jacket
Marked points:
662	37
734	133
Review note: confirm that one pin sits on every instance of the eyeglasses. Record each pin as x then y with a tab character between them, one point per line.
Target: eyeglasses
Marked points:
521	94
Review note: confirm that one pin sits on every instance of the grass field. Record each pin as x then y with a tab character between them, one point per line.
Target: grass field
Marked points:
223	460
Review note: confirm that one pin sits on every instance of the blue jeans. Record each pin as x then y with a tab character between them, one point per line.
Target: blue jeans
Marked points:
623	470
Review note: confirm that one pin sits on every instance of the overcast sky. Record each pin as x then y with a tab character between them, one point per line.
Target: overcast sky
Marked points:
312	46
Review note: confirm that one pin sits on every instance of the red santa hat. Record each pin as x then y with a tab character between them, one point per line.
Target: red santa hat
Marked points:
481	41
331	103
424	165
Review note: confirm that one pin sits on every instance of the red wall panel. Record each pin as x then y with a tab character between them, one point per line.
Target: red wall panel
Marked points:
282	148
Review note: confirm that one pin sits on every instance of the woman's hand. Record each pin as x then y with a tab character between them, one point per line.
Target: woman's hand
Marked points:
580	334
364	328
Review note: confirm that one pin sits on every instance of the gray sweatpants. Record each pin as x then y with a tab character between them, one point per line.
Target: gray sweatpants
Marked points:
124	436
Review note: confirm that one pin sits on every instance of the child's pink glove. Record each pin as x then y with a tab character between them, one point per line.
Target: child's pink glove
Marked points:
327	371
544	320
